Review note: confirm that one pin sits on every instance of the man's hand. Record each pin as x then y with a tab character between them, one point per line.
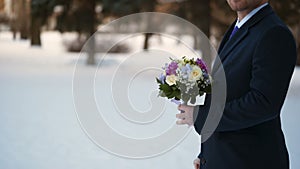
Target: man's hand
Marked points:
186	115
197	163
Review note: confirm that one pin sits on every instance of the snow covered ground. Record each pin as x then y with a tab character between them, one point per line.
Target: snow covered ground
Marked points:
39	126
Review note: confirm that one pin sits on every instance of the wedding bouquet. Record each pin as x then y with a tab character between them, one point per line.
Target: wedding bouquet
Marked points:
183	80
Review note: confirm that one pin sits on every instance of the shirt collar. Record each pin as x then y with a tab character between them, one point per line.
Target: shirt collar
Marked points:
239	24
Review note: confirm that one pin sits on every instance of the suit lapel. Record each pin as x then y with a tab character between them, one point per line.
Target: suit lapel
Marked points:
232	43
226	37
227	45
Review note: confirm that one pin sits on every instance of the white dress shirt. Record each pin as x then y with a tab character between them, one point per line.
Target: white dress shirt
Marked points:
239	24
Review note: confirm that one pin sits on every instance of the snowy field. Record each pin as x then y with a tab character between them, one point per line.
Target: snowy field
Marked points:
39	126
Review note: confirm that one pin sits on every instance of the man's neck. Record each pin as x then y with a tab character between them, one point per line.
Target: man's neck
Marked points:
241	14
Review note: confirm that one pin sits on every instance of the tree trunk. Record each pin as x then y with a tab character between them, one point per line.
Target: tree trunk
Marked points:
91	42
36	24
146	41
13	20
202	17
91	51
198	12
24	19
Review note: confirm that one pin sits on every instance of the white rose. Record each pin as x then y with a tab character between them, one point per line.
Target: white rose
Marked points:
196	73
171	80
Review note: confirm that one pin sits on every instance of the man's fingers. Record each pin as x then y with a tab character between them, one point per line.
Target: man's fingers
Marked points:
197	163
180	122
180	107
185	121
180	116
184	115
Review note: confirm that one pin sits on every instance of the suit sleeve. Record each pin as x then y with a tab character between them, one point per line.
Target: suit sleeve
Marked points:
273	63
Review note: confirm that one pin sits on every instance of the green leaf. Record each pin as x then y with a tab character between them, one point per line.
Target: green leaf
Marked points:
158	81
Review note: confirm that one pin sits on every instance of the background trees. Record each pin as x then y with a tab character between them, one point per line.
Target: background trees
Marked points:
40	10
83	16
289	11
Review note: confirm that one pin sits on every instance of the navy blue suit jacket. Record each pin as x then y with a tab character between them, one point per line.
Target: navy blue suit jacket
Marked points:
258	62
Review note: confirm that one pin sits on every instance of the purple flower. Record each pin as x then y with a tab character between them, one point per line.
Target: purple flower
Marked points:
171	69
178	102
201	64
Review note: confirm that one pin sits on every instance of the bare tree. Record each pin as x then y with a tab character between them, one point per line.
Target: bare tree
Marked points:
20	19
24	19
40	10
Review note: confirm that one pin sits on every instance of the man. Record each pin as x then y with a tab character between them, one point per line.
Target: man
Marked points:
258	54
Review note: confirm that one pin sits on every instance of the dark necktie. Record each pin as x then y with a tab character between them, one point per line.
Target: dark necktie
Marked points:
234	31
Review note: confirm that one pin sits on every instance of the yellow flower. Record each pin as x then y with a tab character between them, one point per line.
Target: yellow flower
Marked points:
171	80
196	73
